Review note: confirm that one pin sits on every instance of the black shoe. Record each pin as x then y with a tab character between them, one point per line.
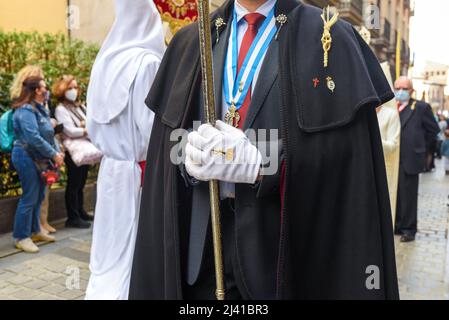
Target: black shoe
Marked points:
86	217
77	224
407	238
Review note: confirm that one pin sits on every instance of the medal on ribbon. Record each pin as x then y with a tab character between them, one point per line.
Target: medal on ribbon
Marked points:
236	86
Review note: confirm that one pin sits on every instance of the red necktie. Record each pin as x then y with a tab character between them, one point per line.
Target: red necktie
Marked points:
401	107
253	20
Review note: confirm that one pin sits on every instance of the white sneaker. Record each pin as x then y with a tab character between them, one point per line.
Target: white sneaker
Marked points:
27	245
42	237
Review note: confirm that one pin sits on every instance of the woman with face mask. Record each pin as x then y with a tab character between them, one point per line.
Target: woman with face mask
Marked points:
34	142
15	91
72	114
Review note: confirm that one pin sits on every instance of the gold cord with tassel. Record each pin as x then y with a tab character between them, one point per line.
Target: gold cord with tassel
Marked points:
326	39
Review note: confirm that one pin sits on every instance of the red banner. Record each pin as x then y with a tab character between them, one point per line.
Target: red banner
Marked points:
177	13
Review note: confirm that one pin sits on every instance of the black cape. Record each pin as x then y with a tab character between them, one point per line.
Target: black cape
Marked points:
336	222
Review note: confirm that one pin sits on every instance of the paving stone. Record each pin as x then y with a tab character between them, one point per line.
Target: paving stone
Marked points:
34	272
7	275
53	289
61	280
35	284
9	290
46	296
25	294
83	285
49	276
3	284
56	267
19	279
19	268
71	294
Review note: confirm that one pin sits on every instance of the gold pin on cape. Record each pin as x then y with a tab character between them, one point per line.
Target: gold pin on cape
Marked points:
326	39
218	24
330	84
281	19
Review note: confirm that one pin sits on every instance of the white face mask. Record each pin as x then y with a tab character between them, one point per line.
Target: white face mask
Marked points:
71	95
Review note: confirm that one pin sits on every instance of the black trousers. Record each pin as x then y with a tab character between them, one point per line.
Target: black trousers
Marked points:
74	193
204	287
407	203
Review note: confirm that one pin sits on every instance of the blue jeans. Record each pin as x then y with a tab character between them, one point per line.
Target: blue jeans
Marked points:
27	219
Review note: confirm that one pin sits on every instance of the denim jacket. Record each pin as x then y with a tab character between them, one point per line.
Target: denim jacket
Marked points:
34	132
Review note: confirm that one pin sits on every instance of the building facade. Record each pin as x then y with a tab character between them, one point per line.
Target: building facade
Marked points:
431	86
90	20
388	21
30	15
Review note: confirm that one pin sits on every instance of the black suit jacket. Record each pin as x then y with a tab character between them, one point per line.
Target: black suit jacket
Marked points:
418	125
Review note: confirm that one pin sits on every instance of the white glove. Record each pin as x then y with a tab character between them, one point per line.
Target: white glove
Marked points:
222	153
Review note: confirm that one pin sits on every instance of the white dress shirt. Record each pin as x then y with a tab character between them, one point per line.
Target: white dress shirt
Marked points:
242	26
227	190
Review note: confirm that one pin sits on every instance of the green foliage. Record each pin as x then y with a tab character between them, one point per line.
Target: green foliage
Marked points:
56	55
9	181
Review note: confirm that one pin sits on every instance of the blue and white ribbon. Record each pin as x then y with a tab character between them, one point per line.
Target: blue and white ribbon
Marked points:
236	86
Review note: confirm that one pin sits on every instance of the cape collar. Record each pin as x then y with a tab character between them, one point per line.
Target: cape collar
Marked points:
224	12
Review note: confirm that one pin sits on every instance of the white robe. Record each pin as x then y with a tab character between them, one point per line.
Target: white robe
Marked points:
390	130
124	143
120	124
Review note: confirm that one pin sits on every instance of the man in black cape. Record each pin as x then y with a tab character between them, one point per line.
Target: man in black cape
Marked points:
320	227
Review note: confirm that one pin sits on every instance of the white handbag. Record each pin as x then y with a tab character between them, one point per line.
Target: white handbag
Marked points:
82	151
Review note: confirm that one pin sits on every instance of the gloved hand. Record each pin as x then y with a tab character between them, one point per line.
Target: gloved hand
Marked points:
222	153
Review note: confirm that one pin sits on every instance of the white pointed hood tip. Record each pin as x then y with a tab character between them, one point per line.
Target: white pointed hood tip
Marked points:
136	33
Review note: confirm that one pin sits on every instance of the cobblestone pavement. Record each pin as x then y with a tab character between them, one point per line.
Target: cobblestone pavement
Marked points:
53	274
59	272
423	265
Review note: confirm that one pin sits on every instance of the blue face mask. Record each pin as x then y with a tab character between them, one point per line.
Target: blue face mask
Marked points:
402	95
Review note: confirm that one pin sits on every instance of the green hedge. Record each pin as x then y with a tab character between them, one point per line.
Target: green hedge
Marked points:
57	55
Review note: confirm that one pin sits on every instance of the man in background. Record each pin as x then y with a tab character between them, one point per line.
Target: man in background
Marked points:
418	125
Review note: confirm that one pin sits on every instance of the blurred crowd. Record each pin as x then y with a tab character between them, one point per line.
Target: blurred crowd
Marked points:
42	138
